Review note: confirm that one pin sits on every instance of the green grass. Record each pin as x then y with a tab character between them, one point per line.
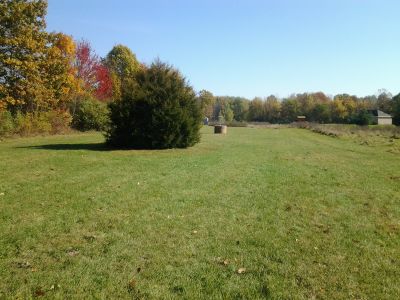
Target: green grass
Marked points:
307	216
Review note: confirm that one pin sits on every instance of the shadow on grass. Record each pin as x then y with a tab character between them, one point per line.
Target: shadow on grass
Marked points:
89	147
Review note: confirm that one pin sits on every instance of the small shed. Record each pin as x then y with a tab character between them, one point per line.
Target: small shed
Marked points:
301	118
380	117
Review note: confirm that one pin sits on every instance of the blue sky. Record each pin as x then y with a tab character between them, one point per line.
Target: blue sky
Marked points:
250	48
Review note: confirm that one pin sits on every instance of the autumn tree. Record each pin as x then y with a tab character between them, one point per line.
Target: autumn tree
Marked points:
122	63
289	110
227	112
206	101
60	73
272	109
35	66
384	101
23	51
256	110
92	72
240	107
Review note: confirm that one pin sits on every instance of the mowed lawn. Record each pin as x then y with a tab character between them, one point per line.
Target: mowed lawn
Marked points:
302	215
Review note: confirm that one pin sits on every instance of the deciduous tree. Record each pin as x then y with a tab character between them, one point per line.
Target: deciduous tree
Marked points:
23	51
122	63
92	72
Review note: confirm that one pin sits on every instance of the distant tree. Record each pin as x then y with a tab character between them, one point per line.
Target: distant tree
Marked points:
306	103
368	102
206	101
384	101
349	102
339	111
240	107
320	97
272	109
256	110
122	63
362	117
158	110
396	109
227	112
320	113
289	110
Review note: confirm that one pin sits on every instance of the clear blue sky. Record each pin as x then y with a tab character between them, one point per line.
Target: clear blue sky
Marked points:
250	48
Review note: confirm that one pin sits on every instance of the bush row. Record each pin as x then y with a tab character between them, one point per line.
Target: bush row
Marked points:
51	122
86	114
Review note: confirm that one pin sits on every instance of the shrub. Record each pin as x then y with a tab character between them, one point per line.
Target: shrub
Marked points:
157	110
38	123
363	117
235	123
59	120
90	114
7	125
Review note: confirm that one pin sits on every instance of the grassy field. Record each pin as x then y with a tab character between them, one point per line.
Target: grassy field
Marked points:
259	213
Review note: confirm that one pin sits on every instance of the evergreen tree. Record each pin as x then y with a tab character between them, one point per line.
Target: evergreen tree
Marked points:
157	110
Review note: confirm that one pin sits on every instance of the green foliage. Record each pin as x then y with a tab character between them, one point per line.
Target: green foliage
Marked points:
206	101
320	113
158	110
256	110
25	124
289	110
34	65
227	112
317	107
90	114
240	109
122	63
396	110
362	117
7	125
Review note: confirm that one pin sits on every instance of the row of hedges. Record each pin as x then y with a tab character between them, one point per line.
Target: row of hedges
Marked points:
51	122
88	114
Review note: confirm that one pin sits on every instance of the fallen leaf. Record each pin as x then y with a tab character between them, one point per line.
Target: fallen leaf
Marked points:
39	293
241	270
73	252
132	283
222	261
89	238
23	265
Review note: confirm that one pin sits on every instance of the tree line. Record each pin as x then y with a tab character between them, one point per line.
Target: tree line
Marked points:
49	82
47	79
316	107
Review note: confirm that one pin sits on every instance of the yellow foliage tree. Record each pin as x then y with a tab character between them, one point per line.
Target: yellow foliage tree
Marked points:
35	66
